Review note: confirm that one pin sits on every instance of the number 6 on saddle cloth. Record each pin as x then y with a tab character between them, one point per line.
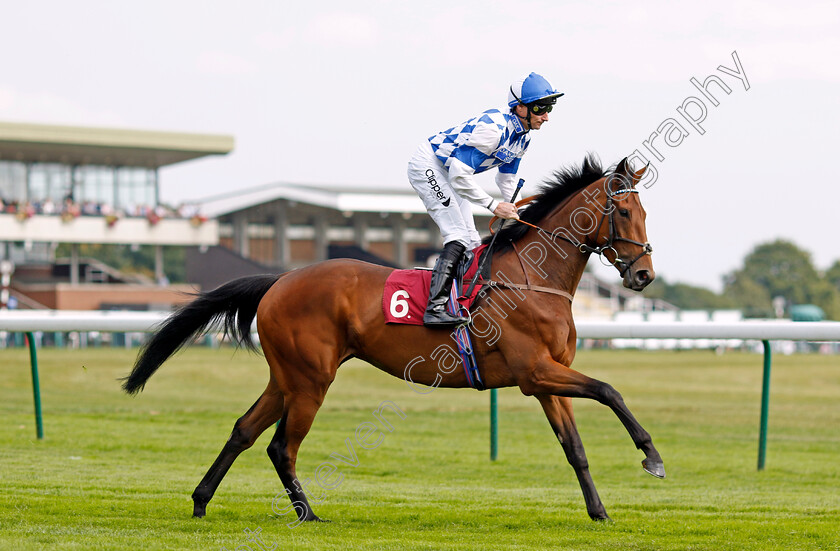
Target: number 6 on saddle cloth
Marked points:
404	300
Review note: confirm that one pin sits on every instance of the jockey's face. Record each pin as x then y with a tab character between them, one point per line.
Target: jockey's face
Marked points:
536	120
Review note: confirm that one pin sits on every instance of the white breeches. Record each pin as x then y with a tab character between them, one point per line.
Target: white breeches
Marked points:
451	213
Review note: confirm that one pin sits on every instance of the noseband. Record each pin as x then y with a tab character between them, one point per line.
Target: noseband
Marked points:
609	215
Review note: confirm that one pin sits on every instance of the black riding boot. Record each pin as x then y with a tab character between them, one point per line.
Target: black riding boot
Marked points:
445	268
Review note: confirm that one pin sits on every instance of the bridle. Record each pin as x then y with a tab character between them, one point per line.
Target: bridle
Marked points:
609	215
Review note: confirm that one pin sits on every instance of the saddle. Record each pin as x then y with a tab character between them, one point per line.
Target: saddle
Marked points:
407	291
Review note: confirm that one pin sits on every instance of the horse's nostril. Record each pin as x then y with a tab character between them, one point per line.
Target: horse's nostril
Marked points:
642	276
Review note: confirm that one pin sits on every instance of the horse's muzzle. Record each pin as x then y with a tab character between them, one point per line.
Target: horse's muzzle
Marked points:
638	279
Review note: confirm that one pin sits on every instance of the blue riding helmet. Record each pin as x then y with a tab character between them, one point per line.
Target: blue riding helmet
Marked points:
531	89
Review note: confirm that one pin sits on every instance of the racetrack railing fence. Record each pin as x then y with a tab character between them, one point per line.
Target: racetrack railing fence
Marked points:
30	321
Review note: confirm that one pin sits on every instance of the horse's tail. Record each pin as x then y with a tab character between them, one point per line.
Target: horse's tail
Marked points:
234	303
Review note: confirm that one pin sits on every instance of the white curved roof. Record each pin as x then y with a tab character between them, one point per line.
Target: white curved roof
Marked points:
44	143
332	197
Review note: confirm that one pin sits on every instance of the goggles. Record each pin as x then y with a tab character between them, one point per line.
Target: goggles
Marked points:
538	109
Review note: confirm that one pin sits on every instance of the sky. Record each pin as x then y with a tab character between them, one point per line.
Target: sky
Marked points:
342	93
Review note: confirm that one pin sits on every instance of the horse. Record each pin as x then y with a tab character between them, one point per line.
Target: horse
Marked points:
313	319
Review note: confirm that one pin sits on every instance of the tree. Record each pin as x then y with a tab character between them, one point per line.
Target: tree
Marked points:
827	296
753	299
687	297
782	269
832	275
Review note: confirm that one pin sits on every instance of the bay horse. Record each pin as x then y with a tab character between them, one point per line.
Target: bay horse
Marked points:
313	319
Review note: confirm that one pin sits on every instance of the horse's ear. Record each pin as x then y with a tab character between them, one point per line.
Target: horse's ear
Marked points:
623	168
626	172
623	176
637	176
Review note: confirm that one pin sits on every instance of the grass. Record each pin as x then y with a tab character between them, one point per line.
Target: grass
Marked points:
116	472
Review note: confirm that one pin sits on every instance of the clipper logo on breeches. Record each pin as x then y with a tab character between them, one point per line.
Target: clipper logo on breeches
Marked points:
430	175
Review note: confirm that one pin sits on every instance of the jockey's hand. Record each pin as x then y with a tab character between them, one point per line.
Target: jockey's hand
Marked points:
506	211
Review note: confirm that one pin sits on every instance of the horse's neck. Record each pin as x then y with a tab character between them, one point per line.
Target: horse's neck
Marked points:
566	260
546	262
562	265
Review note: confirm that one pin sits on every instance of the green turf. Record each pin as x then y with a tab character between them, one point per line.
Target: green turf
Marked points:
116	472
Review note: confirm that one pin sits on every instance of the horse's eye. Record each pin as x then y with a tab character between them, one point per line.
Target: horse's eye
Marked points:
624	212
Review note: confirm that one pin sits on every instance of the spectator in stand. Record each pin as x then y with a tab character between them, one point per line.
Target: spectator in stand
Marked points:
48	207
69	207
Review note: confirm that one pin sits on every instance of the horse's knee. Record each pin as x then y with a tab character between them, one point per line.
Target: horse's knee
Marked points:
276	451
607	395
274	448
241	439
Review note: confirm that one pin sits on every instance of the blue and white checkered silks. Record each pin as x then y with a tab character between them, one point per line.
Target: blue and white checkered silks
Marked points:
442	169
493	139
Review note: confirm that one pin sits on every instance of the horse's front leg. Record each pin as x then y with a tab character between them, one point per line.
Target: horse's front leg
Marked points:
550	377
562	420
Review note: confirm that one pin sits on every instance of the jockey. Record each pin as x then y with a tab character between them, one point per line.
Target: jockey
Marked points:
441	172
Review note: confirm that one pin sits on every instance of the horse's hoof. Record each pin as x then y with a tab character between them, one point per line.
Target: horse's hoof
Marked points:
601	518
655	468
199	510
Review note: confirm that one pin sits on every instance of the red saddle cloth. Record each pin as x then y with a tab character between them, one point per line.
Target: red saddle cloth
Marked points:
407	292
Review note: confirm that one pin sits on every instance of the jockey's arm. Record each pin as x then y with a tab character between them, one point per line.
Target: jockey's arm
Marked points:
468	158
464	185
506	178
462	181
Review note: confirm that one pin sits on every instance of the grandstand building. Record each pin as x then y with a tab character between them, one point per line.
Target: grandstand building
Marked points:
76	185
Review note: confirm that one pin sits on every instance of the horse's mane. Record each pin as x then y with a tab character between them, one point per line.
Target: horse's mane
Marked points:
564	183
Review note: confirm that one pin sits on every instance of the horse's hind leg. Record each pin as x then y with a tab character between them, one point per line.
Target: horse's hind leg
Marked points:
265	411
305	366
283	449
560	416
